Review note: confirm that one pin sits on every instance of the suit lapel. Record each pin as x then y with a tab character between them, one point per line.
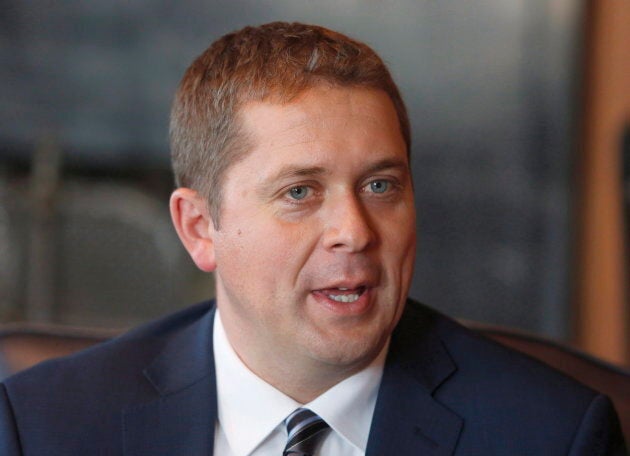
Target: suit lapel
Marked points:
182	418
408	420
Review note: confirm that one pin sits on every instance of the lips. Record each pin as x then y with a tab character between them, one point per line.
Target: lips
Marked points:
343	294
344	300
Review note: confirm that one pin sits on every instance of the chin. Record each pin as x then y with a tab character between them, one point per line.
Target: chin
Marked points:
352	353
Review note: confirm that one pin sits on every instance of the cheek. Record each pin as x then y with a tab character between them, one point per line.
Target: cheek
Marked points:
260	251
399	247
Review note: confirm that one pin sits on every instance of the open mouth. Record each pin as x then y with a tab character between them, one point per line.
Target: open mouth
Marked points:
344	294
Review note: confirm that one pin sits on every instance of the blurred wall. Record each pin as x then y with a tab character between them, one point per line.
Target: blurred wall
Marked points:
489	85
602	281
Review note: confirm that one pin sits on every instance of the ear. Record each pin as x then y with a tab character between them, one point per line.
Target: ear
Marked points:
190	215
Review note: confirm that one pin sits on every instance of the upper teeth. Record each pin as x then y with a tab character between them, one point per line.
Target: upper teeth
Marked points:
344	298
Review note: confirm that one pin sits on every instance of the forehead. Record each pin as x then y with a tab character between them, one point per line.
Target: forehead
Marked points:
323	121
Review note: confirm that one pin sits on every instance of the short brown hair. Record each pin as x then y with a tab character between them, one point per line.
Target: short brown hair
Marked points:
273	62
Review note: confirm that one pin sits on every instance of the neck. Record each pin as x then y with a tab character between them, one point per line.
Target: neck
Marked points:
304	384
302	378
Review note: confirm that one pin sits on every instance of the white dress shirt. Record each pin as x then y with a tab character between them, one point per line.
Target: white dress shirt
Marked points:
251	411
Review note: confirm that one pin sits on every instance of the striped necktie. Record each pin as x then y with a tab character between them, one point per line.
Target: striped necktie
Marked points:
306	431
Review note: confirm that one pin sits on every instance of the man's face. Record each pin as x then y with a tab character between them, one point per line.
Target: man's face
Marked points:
315	250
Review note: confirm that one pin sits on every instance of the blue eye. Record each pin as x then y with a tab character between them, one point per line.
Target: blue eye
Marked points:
298	193
379	186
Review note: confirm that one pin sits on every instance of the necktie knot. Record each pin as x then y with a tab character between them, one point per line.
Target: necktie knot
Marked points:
305	431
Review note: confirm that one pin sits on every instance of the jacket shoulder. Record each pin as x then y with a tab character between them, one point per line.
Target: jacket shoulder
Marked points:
507	398
480	359
107	363
42	408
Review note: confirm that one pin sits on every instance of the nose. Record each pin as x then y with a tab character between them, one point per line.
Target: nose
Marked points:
347	225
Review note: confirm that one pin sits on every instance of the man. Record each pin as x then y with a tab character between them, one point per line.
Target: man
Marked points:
291	151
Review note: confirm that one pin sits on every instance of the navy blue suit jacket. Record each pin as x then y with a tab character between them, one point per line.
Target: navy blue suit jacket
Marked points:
445	391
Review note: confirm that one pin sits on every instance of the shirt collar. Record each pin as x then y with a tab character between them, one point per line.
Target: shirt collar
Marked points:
349	405
245	401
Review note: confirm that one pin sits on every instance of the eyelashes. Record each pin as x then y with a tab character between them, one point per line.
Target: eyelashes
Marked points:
379	186
299	192
305	192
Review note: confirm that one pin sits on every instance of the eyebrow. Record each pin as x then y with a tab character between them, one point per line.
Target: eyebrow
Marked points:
289	172
388	163
301	171
297	171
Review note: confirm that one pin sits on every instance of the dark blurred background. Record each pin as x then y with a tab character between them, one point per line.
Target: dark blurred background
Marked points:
503	98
